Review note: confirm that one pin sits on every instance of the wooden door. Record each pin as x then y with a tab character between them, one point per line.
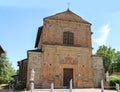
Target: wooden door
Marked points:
67	76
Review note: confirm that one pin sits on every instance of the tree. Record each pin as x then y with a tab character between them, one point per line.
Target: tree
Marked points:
108	54
116	65
6	70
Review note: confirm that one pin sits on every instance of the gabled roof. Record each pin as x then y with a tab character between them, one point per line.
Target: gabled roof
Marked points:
67	16
1	50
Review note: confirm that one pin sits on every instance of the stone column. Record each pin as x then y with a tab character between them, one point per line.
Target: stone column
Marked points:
102	86
71	85
117	88
107	76
52	87
32	80
107	82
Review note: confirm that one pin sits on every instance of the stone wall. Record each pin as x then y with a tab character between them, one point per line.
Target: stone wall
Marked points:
34	62
98	68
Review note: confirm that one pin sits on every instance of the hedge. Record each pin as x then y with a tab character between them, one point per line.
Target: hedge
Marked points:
114	80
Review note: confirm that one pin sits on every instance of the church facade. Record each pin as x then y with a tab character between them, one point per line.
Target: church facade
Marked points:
64	52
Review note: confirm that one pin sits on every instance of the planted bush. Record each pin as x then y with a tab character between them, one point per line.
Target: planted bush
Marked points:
114	80
20	86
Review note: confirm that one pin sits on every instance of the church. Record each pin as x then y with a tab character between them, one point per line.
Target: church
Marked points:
63	52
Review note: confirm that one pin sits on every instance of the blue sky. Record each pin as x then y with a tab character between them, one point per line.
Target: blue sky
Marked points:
20	19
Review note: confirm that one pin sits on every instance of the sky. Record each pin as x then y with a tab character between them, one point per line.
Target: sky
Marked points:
20	19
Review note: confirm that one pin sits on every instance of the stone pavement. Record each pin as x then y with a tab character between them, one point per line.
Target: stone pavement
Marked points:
73	90
7	90
63	90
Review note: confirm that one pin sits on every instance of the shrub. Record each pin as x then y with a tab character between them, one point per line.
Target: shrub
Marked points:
114	80
20	86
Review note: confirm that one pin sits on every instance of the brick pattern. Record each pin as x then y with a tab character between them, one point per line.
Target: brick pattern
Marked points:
22	70
55	56
34	62
53	32
52	65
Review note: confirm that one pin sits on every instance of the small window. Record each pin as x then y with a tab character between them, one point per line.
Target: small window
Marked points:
68	38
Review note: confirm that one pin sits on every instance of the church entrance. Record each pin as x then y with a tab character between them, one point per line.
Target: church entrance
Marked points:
67	76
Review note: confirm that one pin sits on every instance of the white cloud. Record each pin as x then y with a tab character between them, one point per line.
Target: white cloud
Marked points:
104	34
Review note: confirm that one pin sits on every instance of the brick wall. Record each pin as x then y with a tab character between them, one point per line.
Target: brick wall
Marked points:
23	70
34	62
55	56
53	32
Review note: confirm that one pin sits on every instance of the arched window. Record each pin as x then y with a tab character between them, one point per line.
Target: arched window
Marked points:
68	38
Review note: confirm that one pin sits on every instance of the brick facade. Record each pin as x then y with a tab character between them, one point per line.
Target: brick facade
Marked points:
53	60
34	62
22	77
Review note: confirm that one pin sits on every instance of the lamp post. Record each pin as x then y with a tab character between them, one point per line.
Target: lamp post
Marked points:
32	80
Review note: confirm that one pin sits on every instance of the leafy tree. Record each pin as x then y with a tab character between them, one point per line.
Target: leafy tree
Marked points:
6	70
108	54
116	65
